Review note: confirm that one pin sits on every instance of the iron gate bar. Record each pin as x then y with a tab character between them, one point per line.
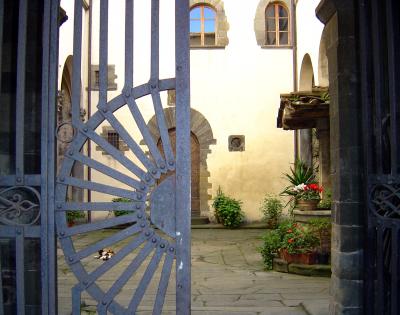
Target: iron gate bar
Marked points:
393	93
395	270
378	88
20	92
20	270
103	54
76	64
1	71
183	172
1	280
129	29
48	164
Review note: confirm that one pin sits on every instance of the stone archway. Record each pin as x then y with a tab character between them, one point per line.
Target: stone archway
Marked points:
202	132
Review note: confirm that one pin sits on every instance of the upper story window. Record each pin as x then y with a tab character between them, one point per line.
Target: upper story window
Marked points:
277	25
202	26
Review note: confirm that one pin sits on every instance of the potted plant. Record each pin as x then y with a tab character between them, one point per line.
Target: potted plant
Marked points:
291	241
298	244
303	191
271	208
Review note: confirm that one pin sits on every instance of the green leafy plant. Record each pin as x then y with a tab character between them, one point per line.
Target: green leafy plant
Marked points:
299	177
289	235
326	201
320	227
228	210
271	244
74	216
271	208
118	213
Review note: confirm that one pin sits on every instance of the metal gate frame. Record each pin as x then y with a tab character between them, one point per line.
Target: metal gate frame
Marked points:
47	181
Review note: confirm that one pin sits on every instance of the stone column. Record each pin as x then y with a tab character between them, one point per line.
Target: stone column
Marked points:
348	209
306	146
323	136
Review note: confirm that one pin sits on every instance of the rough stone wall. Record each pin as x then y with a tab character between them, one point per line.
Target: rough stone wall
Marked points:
346	156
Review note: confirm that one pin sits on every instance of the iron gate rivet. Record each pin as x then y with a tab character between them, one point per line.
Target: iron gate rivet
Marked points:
171	163
104	302
139	196
143	187
104	110
19	232
142	225
71	152
62	179
62	233
180	286
171	249
85	129
179	68
59	206
154	240
154	172
19	179
147	233
127	93
153	86
85	282
70	259
162	245
148	178
162	166
139	216
138	206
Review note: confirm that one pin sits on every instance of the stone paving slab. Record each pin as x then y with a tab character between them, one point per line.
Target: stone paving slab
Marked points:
227	278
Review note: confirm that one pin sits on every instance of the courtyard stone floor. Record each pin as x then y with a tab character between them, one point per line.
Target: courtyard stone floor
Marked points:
227	278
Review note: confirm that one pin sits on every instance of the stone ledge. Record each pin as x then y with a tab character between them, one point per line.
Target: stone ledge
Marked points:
305	216
281	265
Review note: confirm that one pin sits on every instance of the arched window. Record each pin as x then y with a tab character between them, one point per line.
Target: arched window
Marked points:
202	26
277	25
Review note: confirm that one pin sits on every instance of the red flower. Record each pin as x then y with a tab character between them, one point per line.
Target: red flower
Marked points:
290	231
290	240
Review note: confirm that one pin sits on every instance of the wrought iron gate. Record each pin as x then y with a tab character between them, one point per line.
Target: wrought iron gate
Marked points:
157	227
381	96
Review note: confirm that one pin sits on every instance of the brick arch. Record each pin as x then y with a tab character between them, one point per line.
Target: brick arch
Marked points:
221	19
259	19
201	129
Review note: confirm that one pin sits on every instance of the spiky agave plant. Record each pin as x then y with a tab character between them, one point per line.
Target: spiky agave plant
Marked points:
299	174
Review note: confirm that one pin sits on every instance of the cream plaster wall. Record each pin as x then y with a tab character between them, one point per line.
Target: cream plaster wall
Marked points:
309	30
237	90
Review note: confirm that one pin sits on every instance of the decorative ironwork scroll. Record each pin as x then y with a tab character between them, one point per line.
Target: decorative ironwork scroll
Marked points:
19	205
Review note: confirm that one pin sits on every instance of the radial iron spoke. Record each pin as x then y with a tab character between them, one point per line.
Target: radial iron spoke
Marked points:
104	243
164	280
162	126
146	133
126	137
126	275
108	171
115	153
145	281
121	254
84	228
99	206
72	181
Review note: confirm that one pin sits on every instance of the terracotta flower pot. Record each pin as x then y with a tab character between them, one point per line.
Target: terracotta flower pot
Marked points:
301	258
307	205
